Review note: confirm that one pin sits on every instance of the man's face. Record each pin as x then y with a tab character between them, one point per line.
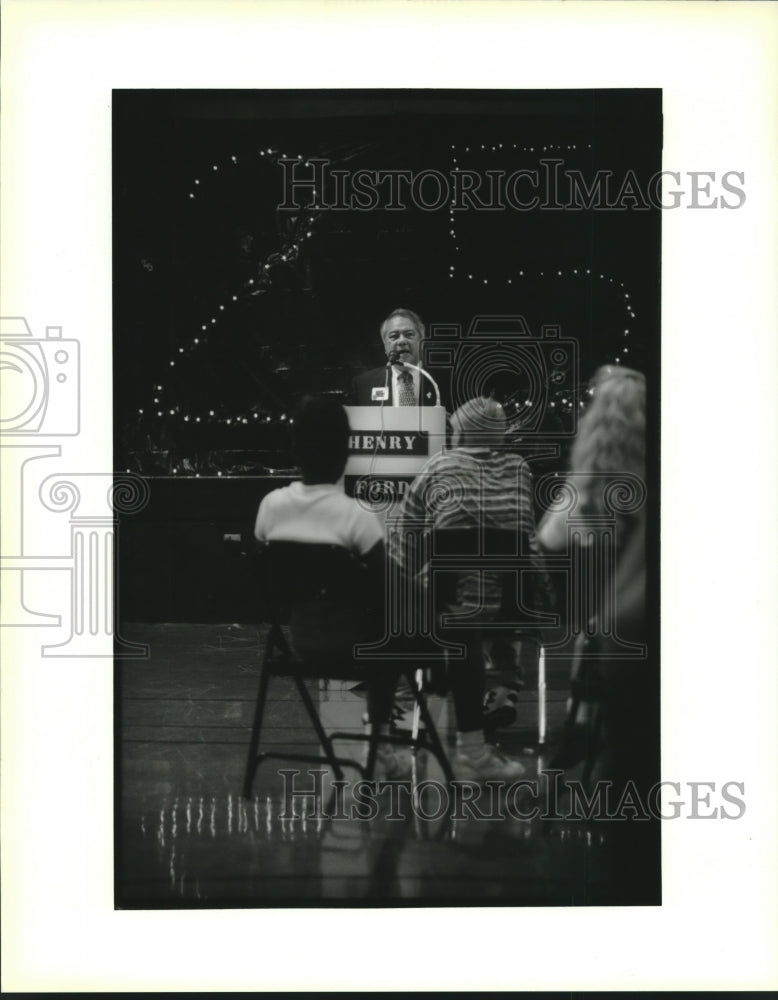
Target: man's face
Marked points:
402	336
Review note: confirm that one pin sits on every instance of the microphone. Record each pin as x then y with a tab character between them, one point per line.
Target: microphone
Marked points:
393	358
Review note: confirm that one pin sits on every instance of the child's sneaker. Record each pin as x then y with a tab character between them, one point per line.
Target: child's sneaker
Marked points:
491	765
500	708
391	763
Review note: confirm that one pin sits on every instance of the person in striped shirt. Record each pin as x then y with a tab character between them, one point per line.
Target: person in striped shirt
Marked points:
474	483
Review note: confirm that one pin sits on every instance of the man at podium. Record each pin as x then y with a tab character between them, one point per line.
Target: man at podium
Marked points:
402	381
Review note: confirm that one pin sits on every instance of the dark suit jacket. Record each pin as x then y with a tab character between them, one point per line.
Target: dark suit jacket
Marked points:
363	385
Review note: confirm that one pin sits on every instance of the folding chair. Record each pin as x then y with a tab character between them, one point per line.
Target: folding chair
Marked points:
507	552
582	741
313	598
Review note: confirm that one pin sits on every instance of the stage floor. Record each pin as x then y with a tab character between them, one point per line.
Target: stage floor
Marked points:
185	836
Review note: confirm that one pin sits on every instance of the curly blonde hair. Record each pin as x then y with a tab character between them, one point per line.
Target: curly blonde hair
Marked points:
612	433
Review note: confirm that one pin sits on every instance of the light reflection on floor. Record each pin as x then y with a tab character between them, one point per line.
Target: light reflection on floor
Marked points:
187	837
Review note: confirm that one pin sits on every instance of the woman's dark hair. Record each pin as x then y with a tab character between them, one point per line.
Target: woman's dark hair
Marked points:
320	438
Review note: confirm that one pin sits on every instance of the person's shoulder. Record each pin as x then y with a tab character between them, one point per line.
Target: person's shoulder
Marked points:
359	511
362	386
355	508
366	526
370	376
282	491
271	507
276	497
515	461
442	462
450	457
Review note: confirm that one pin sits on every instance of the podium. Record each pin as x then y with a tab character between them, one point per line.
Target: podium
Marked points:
388	445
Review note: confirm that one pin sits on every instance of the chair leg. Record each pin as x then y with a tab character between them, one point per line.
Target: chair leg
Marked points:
594	745
259	709
541	695
380	693
415	726
372	751
561	757
324	739
432	734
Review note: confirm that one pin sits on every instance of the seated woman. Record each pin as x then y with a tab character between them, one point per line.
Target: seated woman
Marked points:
610	446
316	510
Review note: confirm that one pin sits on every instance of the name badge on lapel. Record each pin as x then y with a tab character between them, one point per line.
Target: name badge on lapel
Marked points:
379	394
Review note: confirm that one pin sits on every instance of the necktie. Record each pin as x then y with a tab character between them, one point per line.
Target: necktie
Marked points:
407	395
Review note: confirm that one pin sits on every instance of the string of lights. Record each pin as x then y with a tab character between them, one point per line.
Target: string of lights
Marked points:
288	254
562	401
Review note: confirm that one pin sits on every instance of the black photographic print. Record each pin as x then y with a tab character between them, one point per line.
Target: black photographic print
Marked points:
277	256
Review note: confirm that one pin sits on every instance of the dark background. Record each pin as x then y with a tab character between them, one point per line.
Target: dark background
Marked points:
311	322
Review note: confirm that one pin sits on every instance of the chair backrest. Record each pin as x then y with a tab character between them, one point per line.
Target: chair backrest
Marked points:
290	572
318	590
456	551
479	541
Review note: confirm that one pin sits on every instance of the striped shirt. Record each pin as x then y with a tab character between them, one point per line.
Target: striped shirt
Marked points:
468	488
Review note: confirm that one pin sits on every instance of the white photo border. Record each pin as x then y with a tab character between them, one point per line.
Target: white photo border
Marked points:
716	65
